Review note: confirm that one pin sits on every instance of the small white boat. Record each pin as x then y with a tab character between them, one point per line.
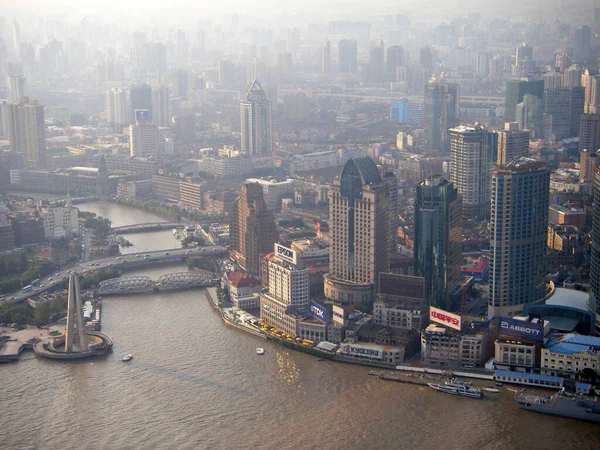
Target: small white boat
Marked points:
128	357
260	351
490	389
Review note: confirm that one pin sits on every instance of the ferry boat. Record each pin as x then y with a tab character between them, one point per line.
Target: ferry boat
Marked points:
260	351
563	403
455	387
128	357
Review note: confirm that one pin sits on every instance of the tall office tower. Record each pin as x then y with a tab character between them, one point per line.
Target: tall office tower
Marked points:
226	73
563	108
438	230
426	59
396	57
523	60
524	52
116	111
588	161
512	142
595	250
75	335
519	228
4	112
102	181
26	128
529	115
572	76
582	42
440	112
347	56
252	229
143	136
376	58
359	214
160	106
496	68
16	36
552	80
591	85
471	159
392	180
255	69
515	90
482	64
256	122
180	83
326	57
563	61
140	98
15	86
589	132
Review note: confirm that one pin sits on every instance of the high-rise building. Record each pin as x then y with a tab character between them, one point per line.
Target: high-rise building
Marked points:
102	181
256	122
180	82
440	112
588	161
512	142
326	57
141	98
4	134
116	111
227	73
347	56
563	108
515	90
553	80
582	42
591	85
472	151
399	110
376	61
589	132
252	229
530	114
160	106
143	136
572	76
359	214
396	57
15	87
438	231
26	131
595	250
426	58
519	227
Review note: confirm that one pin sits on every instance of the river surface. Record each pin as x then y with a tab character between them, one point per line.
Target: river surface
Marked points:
195	383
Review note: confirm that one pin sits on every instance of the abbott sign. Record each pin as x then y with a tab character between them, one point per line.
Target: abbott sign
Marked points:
521	328
444	317
285	253
318	311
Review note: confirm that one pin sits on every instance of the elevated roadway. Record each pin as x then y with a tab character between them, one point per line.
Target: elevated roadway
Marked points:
140	227
123	262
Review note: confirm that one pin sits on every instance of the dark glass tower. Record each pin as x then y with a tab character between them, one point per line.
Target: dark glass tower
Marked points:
437	254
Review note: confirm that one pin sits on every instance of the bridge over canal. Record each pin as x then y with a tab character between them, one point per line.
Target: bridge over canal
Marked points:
141	227
138	284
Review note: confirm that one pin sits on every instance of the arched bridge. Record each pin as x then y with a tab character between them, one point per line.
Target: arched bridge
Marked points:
139	227
136	284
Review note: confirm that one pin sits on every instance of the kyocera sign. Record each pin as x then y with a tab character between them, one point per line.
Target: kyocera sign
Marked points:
285	253
318	311
357	350
521	328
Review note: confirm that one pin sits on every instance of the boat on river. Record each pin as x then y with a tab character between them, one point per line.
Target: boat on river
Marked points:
455	387
260	351
567	404
128	357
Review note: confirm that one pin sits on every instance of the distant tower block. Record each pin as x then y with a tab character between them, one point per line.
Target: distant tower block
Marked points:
75	340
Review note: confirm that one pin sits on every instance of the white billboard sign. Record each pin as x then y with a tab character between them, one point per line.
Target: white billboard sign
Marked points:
444	318
286	253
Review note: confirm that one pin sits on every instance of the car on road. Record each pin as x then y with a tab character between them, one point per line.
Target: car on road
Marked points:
138	256
166	253
119	258
50	279
189	251
56	274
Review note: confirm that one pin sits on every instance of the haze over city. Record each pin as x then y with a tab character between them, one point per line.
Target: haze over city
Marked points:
286	224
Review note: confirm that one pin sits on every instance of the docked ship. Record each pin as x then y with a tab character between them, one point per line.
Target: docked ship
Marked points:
574	405
455	387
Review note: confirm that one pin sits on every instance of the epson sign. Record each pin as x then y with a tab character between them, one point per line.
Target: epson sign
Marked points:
285	253
318	311
521	328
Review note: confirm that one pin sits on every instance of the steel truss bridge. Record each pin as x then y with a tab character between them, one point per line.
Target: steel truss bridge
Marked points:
137	284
